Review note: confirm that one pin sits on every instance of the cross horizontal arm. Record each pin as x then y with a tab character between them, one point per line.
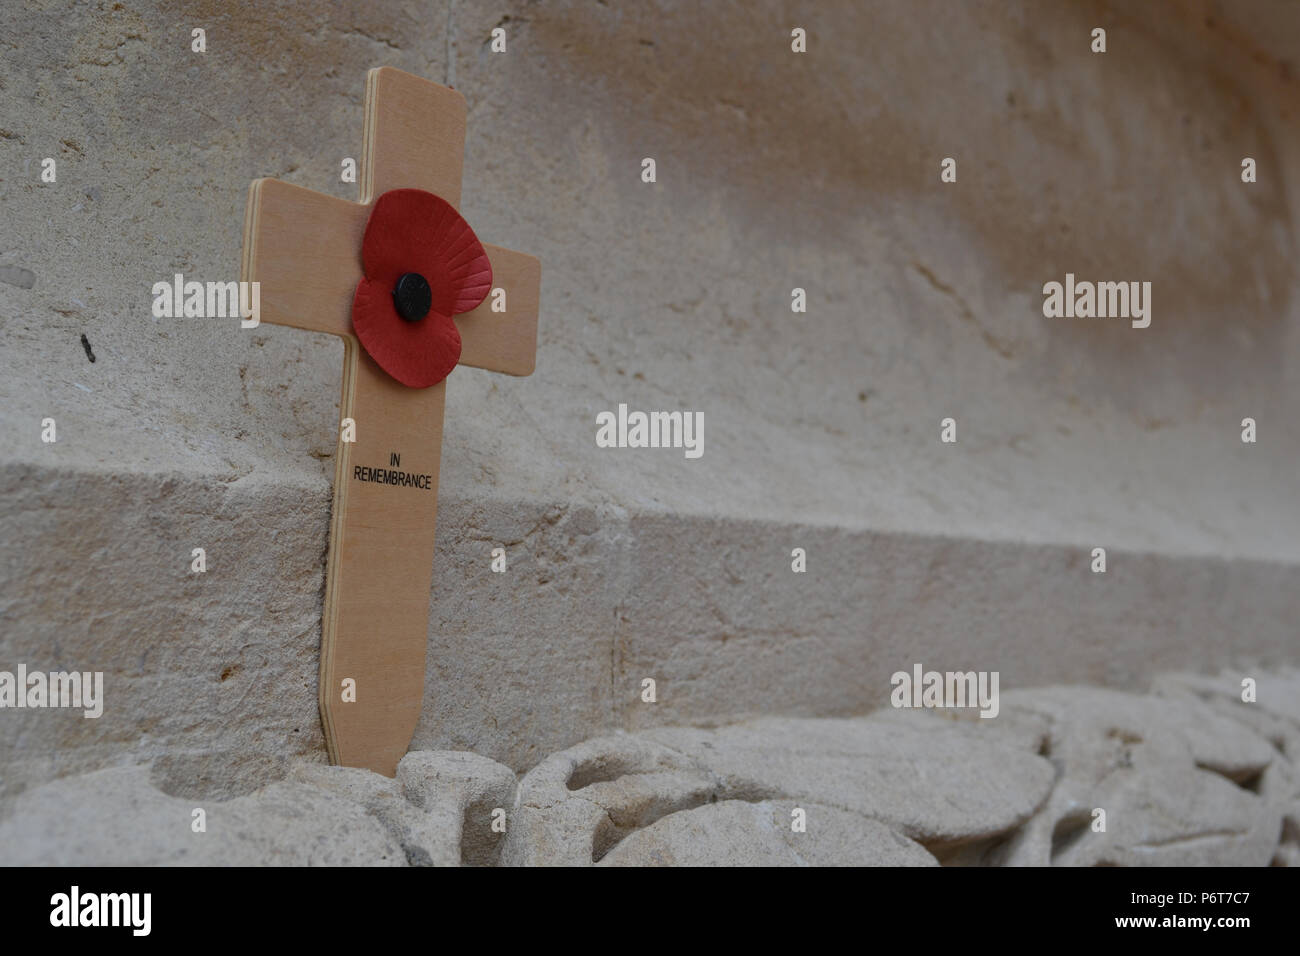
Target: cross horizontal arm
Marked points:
305	249
504	341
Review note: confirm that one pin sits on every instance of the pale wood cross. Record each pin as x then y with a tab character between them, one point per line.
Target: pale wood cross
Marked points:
305	250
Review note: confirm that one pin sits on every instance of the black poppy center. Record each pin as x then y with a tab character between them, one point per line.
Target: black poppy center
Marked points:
412	297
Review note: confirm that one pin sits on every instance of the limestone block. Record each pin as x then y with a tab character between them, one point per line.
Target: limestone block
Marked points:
460	794
737	833
439	807
1274	715
430	815
1176	781
935	782
575	805
115	817
938	781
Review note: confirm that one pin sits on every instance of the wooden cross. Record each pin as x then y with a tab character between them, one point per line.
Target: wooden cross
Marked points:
305	250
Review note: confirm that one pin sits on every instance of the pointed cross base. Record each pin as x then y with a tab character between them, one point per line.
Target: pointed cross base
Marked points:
305	250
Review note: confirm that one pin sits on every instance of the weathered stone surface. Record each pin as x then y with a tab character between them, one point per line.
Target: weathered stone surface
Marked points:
1175	779
1181	784
938	781
459	794
426	838
736	833
935	781
439	807
116	817
1275	717
432	814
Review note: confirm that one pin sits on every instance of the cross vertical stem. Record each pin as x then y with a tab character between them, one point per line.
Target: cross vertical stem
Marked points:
380	566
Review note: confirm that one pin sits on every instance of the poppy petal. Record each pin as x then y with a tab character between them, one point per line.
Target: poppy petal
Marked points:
411	230
417	354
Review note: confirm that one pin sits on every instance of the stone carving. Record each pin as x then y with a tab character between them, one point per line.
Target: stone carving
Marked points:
1186	775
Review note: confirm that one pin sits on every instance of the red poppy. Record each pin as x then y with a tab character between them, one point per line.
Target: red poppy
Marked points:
422	264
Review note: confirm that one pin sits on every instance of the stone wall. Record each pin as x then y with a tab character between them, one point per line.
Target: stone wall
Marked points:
775	170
